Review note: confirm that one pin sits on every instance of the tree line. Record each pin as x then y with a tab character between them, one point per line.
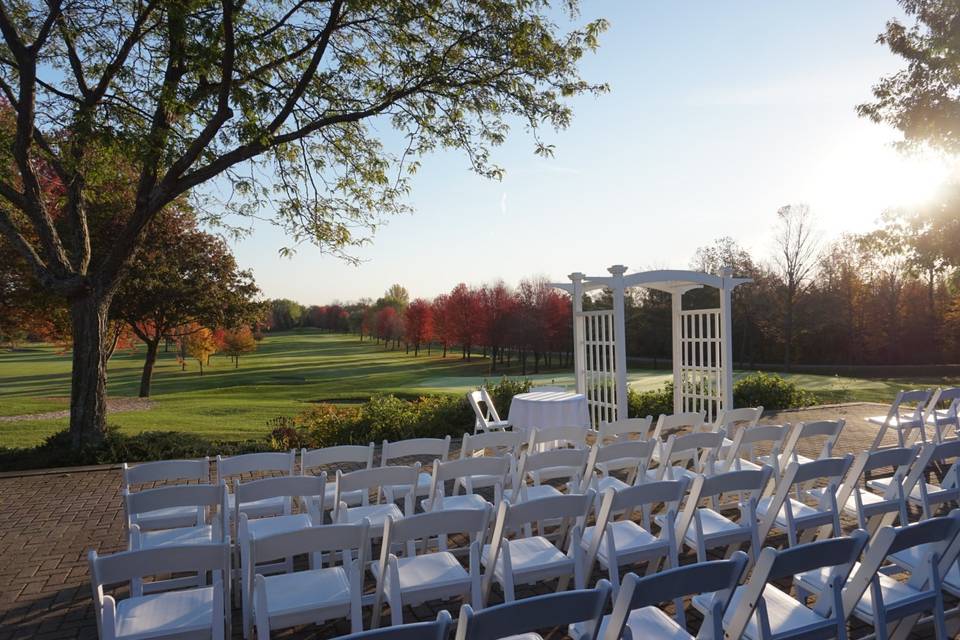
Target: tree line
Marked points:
890	296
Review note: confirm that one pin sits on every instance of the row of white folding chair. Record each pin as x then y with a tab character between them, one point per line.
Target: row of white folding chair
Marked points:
913	411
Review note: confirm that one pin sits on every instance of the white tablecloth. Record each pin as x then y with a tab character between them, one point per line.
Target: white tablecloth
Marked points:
539	409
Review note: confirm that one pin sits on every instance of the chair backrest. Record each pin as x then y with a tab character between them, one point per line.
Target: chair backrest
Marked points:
918	398
165	471
276	462
500	442
567	463
130	566
481	420
539	612
699	448
636	452
404	532
623	428
838	554
745	417
495	467
210	496
350	540
439	629
373	480
829	430
691	421
335	456
310	489
746	439
575	437
719	576
431	448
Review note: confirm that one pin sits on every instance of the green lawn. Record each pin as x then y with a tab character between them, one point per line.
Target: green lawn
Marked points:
288	372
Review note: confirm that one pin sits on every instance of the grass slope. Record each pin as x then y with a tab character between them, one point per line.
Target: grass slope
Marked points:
288	371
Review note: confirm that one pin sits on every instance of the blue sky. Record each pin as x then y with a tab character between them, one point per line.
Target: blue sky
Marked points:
719	113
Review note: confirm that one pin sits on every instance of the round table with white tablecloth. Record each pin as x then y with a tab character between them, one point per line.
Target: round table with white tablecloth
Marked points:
540	409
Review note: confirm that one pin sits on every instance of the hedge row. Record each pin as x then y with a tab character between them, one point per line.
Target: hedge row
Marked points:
382	417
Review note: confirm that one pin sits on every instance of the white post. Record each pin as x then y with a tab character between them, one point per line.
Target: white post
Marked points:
579	346
676	298
726	338
620	343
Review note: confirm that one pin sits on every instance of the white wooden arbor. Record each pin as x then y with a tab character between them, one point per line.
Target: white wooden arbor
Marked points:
702	341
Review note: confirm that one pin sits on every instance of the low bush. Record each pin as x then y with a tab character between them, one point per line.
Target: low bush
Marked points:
117	447
641	404
770	391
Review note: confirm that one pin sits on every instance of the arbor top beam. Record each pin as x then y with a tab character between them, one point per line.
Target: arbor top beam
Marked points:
668	280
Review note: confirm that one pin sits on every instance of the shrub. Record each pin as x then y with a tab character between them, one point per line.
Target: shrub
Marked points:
117	447
770	391
641	404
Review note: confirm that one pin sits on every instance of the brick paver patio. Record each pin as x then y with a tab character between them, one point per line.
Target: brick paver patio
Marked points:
49	521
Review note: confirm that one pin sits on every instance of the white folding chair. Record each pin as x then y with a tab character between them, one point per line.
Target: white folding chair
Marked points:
367	480
215	527
407	578
759	610
677	424
636	613
698	450
581	610
461	472
428	448
822	433
883	601
705	527
631	455
793	514
623	429
332	459
317	594
857	500
486	418
902	418
198	612
615	542
439	629
528	559
561	465
165	472
546	438
743	454
307	491
229	470
943	418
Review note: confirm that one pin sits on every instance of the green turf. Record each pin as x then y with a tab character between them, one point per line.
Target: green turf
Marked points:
286	374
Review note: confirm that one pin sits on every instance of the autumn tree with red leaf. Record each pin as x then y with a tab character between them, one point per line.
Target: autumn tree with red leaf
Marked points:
419	324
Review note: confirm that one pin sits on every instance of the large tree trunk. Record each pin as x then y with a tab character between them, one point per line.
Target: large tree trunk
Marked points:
147	376
88	388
